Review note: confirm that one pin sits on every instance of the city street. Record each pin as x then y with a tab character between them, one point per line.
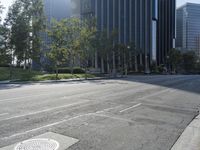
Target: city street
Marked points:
133	113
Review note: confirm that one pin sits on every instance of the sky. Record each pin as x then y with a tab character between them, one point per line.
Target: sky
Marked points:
7	3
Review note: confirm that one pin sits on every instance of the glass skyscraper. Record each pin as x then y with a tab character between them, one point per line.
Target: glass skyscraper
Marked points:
188	27
150	24
56	9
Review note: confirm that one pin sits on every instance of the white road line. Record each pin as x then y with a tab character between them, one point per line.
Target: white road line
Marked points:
155	93
63	121
130	108
108	109
46	126
29	131
114	118
45	110
15	98
4	114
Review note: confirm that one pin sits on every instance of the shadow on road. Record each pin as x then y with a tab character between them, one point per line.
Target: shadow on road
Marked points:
11	86
180	82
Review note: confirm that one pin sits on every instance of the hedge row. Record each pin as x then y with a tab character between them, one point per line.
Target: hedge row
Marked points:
68	70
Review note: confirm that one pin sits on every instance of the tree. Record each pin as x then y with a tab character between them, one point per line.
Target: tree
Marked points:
87	34
102	47
111	51
18	23
4	59
113	39
123	55
5	54
1	10
37	21
65	44
26	21
174	58
73	43
133	53
105	48
189	61
58	51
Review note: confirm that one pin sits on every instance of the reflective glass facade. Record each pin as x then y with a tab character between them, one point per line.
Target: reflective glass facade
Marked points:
166	29
57	9
188	27
138	21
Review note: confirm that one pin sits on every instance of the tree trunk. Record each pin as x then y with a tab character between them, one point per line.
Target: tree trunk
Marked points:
56	73
102	65
108	65
141	61
146	64
136	63
125	65
72	65
29	65
114	65
25	62
119	61
130	61
85	73
11	65
96	60
11	71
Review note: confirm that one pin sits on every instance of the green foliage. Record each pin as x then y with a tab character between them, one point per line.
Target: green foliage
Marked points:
25	20
87	39
26	75
174	58
5	54
77	70
65	46
1	10
64	36
189	61
60	77
161	68
18	74
38	21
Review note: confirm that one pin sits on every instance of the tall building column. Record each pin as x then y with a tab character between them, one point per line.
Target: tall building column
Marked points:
96	53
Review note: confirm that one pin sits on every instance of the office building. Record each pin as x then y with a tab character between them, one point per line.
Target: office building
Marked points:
150	24
188	27
166	31
58	10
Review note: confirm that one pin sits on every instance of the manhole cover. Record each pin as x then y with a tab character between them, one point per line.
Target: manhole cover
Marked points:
38	144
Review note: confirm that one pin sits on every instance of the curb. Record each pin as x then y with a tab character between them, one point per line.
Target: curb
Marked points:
190	138
59	81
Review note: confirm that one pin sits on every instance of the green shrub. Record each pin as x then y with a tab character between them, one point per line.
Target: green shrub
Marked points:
79	71
76	70
161	68
63	70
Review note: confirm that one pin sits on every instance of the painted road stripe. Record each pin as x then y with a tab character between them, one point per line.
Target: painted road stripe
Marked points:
64	121
46	126
4	114
28	96
45	110
60	122
130	108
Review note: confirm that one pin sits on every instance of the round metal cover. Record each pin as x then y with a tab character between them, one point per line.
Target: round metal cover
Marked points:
38	144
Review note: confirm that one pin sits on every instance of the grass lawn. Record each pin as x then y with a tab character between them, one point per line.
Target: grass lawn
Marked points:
60	76
26	75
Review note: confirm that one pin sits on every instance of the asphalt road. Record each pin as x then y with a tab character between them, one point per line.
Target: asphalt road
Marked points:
136	113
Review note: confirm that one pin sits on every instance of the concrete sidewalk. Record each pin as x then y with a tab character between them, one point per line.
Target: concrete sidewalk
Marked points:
190	138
